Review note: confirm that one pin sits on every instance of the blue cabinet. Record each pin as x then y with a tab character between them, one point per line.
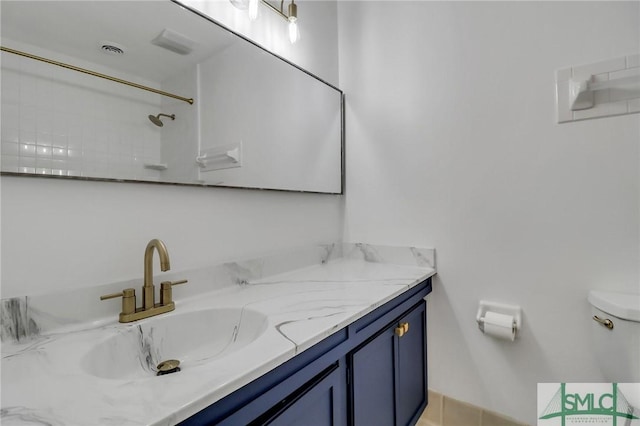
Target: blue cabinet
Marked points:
314	404
373	378
365	374
389	373
411	368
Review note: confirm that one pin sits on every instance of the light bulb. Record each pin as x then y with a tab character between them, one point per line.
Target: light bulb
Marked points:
240	4
294	34
253	9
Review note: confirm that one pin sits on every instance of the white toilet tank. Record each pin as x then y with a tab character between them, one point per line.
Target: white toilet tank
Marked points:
617	348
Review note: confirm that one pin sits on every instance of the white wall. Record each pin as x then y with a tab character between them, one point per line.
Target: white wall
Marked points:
452	143
59	234
305	156
70	234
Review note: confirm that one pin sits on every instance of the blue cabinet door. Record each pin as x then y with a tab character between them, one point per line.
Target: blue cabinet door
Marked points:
373	381
411	371
318	403
389	374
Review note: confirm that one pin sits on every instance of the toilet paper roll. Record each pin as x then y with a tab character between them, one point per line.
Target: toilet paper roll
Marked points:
499	325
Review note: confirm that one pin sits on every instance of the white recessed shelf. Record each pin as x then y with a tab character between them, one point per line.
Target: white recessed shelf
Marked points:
220	157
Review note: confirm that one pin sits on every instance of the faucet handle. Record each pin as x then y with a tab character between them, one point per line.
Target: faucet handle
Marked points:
128	299
172	283
166	296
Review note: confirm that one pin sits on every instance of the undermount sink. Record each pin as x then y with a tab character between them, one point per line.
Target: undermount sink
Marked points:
193	338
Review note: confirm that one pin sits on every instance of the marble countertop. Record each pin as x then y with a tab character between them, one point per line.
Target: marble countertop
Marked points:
61	377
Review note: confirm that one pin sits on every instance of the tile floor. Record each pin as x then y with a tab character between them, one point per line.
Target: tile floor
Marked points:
445	411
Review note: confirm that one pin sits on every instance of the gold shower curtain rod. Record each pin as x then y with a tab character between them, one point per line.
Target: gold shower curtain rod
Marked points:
96	74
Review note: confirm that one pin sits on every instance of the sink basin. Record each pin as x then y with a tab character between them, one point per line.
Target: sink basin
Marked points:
193	338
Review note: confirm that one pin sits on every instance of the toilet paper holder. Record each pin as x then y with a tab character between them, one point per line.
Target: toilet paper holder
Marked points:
499	308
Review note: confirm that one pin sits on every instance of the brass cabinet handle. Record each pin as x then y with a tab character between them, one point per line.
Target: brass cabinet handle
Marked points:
402	329
606	322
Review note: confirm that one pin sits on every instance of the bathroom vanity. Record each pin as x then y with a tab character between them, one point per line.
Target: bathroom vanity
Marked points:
374	371
332	334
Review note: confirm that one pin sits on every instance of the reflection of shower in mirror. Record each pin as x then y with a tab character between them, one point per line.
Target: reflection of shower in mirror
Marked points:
155	119
307	157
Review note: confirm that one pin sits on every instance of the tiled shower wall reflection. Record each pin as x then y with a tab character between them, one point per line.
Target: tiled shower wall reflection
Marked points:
57	121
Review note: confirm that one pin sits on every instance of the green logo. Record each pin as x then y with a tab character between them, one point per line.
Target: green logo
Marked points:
586	404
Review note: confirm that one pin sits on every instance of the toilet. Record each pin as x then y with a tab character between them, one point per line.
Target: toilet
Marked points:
615	330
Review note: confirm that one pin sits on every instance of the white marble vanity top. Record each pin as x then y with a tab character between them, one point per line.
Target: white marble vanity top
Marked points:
49	378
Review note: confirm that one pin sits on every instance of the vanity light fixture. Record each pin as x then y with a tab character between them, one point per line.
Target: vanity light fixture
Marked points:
240	4
294	33
291	16
253	9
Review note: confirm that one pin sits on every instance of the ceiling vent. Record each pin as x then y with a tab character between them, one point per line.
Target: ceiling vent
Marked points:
112	48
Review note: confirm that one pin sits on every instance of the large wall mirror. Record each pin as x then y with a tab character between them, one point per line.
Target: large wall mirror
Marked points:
107	90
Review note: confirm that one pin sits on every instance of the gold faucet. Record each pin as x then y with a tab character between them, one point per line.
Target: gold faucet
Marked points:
148	290
149	307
